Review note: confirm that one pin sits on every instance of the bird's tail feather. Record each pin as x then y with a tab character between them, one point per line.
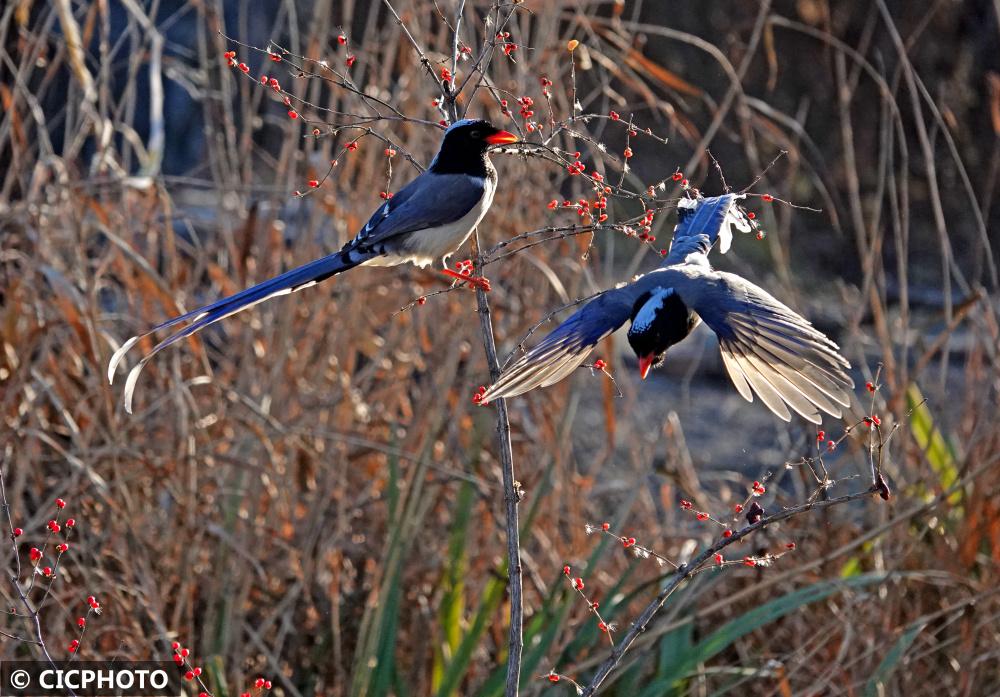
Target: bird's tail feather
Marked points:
288	282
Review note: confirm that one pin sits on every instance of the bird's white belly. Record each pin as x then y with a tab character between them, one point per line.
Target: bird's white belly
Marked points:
424	247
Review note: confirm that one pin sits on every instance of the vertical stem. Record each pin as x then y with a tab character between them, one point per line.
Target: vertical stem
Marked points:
510	495
516	642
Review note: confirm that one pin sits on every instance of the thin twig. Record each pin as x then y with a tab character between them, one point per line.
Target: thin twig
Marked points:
686	570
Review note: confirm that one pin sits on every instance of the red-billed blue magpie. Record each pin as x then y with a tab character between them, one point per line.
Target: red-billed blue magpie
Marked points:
428	219
768	349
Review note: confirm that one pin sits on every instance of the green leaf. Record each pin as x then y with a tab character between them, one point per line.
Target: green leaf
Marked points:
939	452
453	603
891	661
727	634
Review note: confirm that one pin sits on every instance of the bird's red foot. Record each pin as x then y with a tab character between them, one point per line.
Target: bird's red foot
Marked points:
474	281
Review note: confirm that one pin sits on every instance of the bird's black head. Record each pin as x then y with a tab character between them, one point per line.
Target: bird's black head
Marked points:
660	319
463	150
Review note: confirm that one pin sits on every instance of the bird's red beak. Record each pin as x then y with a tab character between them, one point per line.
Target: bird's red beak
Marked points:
501	138
645	363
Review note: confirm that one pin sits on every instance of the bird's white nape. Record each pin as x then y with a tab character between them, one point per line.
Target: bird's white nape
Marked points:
646	315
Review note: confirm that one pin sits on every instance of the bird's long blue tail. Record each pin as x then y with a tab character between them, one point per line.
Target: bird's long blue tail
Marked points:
288	282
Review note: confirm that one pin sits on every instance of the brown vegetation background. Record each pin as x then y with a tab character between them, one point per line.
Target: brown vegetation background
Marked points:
307	491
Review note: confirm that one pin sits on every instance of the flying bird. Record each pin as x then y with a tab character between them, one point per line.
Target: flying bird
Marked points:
768	349
427	220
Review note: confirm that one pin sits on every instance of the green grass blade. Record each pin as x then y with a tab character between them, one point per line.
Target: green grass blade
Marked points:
453	603
763	615
891	661
939	452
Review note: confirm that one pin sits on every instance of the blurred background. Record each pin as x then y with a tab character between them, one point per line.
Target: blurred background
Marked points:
307	490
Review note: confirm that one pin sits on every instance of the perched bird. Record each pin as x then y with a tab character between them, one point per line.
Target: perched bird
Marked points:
428	219
768	349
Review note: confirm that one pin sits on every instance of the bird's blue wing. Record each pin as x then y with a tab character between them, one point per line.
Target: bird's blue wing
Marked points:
431	200
768	349
702	221
567	346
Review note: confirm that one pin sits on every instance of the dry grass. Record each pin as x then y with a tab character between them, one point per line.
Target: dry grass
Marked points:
308	491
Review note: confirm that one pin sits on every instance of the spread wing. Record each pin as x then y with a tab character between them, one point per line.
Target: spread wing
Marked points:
768	349
431	200
567	346
702	221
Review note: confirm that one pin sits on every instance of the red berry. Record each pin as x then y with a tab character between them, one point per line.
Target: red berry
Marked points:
292	114
870	386
60	503
605	526
749	561
267	684
185	653
820	435
47	571
313	183
553	204
677	176
189	675
727	533
627	153
686	505
197	672
701	515
831	446
630	542
259	682
315	131
790	545
35	554
63	547
178	660
350	60
578	583
751	215
566	570
738	508
18	532
421	300
614	115
341	39
603	627
81	622
718	558
600	364
767	198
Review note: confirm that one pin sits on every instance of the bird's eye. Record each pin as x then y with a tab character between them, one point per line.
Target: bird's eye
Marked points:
476	134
